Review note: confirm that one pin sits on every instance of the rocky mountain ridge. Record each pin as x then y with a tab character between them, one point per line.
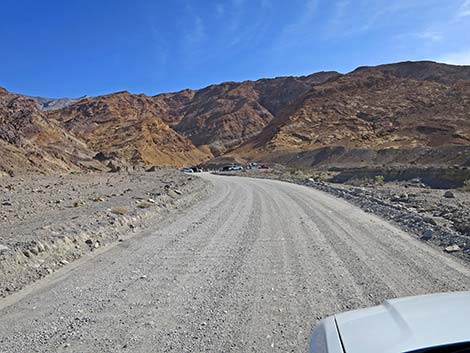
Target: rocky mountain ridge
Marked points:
377	108
394	107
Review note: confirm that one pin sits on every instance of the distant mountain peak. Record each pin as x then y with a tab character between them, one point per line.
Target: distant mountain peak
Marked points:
46	104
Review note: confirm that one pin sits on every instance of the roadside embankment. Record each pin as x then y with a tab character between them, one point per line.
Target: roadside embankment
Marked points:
48	221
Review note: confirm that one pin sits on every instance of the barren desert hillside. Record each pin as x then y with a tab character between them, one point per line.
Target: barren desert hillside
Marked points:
362	116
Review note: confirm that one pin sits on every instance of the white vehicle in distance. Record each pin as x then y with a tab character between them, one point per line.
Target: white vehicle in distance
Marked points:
231	168
436	323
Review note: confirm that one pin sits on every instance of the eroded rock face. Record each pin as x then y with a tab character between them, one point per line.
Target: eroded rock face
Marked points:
129	127
31	142
226	115
394	106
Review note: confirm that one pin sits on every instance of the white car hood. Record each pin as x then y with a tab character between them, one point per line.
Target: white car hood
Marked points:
407	324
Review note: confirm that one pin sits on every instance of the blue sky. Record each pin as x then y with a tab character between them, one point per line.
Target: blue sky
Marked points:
90	47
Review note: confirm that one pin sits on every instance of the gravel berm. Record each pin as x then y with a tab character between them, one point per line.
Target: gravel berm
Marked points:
252	268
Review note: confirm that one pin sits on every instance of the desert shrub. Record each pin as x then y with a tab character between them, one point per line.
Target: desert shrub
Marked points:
379	179
296	172
360	181
466	185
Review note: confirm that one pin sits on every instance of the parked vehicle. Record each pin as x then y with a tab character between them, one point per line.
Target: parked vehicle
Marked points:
232	168
252	165
187	170
196	169
263	166
437	323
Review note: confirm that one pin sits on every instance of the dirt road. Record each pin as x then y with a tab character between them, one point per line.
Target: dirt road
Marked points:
251	269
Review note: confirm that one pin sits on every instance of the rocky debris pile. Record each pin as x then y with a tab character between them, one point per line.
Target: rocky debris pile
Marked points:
424	213
48	221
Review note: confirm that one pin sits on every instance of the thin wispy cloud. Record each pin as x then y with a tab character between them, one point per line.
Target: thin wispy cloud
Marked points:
464	9
236	14
160	44
430	35
194	30
297	30
350	18
237	29
219	10
425	36
193	38
250	34
340	12
196	33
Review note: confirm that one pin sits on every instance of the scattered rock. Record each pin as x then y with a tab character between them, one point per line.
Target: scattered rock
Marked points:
64	262
404	197
427	235
78	203
41	246
178	192
27	253
120	210
430	220
449	195
113	167
463	227
144	205
452	248
3	248
172	194
6	203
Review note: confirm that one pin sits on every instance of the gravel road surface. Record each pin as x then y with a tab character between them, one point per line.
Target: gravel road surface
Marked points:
252	268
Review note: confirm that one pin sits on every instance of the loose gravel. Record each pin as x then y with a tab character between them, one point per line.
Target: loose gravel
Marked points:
252	268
